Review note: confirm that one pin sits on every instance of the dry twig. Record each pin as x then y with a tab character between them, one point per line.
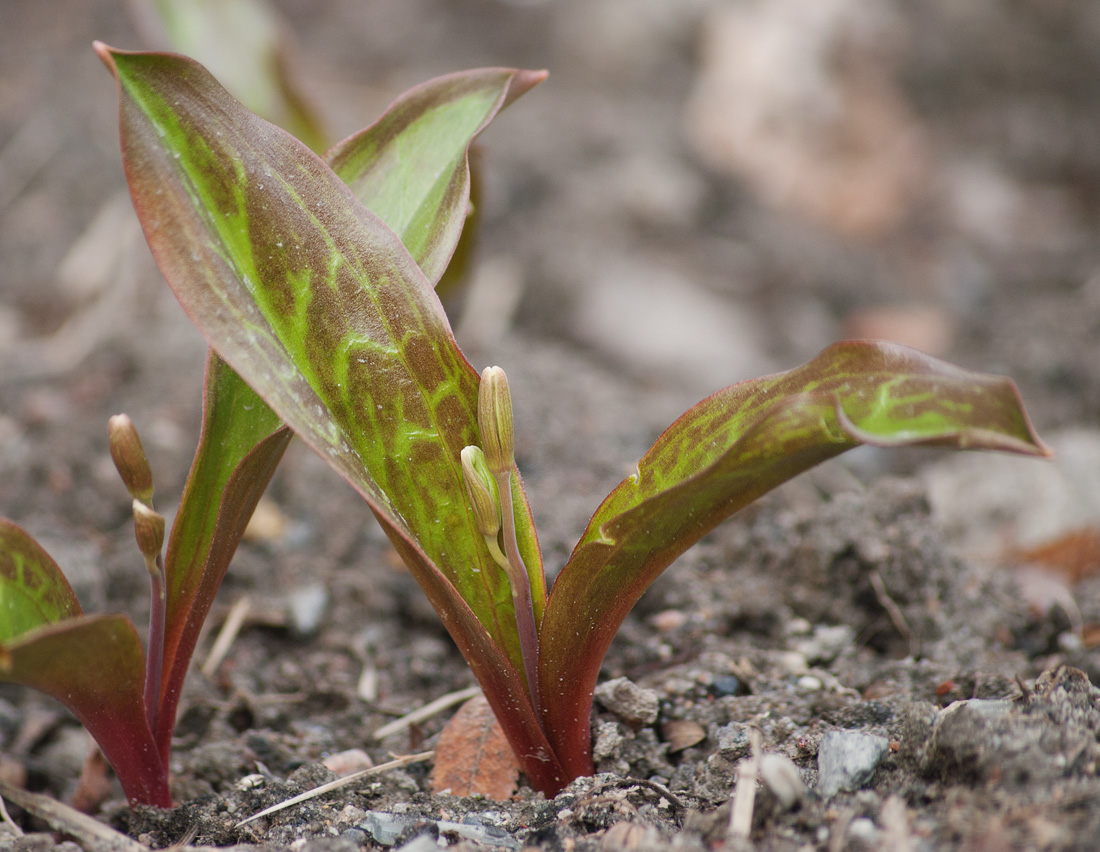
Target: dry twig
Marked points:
744	794
339	783
426	712
92	834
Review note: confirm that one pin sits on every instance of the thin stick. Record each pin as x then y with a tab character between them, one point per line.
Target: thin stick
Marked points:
338	783
427	711
93	835
894	817
744	794
895	613
226	636
8	821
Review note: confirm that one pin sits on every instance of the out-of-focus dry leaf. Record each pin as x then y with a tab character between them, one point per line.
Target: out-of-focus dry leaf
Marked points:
799	99
1074	555
927	328
94	786
268	523
1090	635
473	755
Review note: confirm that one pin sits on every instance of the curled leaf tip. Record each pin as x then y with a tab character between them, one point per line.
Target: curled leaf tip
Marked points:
494	418
482	491
129	458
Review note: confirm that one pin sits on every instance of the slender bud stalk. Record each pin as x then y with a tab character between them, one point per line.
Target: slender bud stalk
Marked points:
494	420
129	458
149	532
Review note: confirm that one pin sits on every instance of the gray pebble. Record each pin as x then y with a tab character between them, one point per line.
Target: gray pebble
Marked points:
631	703
846	760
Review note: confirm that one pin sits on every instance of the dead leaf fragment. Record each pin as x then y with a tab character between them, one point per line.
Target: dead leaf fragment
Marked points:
682	733
1074	555
473	755
94	786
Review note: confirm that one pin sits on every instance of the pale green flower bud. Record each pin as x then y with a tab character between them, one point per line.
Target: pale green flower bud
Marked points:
482	491
149	532
129	458
494	418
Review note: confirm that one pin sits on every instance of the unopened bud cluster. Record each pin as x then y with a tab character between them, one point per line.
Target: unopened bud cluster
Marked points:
133	466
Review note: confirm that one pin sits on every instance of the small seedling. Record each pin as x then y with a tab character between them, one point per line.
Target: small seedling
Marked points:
94	664
313	279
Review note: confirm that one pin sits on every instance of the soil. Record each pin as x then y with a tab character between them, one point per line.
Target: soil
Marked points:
880	623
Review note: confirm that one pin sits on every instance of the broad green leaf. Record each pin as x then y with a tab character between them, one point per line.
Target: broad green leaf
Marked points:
724	453
33	591
239	448
319	307
95	666
411	167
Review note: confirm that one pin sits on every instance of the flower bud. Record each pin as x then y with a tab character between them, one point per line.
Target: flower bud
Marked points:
129	458
494	419
482	491
148	530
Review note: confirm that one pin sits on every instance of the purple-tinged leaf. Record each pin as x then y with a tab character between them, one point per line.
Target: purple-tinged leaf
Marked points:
235	460
724	453
319	307
95	666
33	591
411	167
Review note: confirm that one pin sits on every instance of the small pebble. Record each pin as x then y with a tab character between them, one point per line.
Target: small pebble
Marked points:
631	703
306	608
863	834
846	760
792	662
668	620
345	763
782	777
725	685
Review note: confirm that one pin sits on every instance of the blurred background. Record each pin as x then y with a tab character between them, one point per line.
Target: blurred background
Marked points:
703	191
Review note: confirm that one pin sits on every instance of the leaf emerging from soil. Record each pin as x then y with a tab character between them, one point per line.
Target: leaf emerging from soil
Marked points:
729	450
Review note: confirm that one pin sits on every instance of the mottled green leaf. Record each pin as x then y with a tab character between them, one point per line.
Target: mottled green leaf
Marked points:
411	167
723	454
320	308
33	591
95	666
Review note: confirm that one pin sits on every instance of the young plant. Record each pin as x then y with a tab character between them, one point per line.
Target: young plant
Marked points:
95	664
313	278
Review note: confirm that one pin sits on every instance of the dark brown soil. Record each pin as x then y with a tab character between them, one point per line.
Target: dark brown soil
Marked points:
625	271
